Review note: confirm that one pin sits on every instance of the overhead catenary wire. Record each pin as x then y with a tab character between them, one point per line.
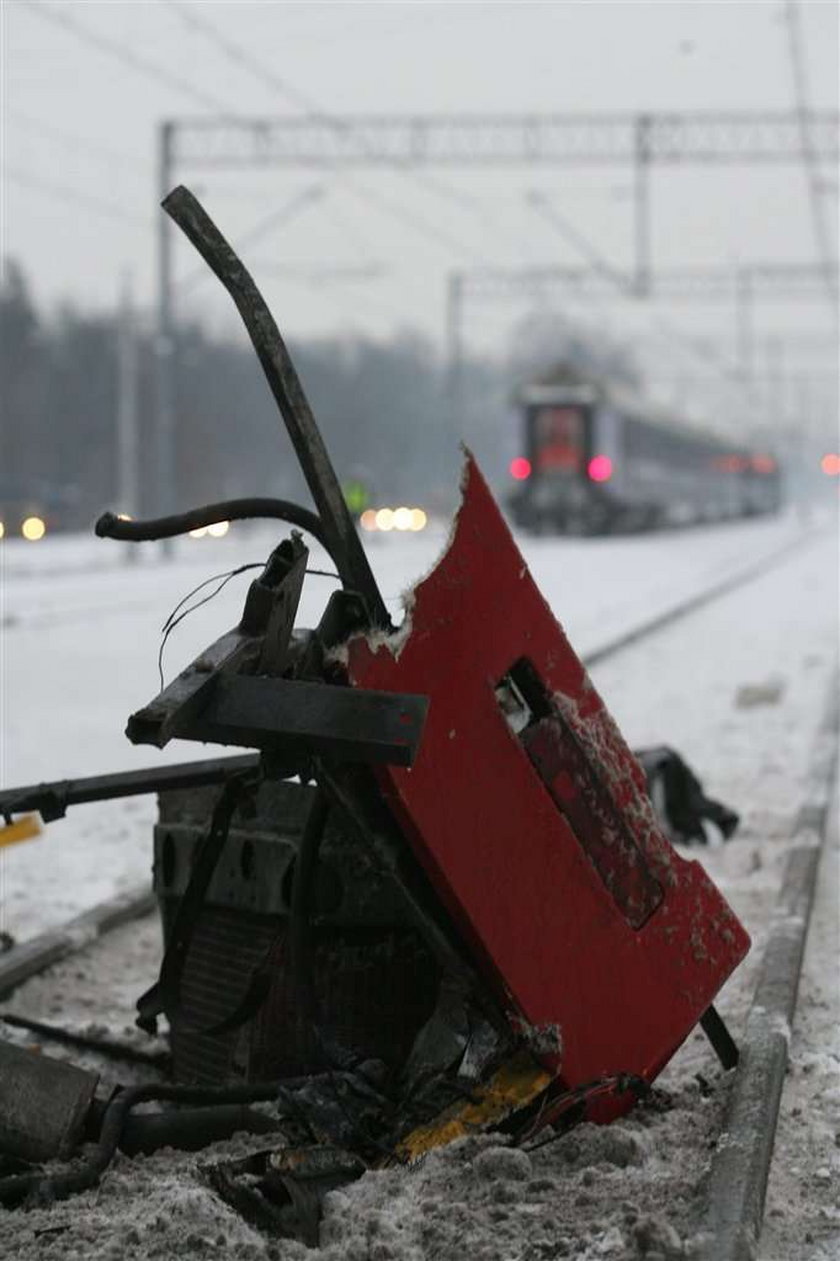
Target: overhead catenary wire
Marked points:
52	188
810	161
151	70
106	155
127	56
315	112
541	204
283	214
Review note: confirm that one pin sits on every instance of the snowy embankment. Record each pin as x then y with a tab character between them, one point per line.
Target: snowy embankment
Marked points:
738	688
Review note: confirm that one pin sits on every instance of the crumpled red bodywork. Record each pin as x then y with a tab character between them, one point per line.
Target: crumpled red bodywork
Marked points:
604	945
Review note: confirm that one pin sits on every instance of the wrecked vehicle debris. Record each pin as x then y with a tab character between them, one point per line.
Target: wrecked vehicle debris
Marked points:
435	900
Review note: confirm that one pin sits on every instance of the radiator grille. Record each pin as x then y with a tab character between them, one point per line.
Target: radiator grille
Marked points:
374	989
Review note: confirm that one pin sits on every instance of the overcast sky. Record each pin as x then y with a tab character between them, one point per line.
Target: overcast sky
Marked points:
80	124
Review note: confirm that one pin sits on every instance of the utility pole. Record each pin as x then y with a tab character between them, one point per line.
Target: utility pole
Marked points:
642	158
165	446
128	447
744	323
455	352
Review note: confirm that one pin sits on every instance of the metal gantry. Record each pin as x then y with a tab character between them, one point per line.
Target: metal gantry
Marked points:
494	140
638	140
740	286
689	284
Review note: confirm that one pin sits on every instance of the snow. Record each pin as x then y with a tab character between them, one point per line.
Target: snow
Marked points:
79	653
79	637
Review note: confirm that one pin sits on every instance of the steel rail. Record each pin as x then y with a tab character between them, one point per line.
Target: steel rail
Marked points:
31	957
685	607
741	1166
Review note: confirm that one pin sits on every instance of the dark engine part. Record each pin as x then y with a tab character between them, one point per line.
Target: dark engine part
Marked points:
375	979
679	799
44	1104
282	1192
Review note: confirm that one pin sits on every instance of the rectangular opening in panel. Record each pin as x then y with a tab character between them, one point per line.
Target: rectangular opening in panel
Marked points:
578	791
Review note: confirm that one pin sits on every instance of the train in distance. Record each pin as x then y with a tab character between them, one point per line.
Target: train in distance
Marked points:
593	463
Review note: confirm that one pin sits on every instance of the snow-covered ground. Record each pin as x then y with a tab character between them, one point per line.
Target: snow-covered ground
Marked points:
79	638
738	688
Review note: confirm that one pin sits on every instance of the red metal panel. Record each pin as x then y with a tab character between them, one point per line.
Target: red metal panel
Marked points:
543	845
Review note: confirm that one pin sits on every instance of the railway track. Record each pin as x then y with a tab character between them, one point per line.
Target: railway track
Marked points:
732	1216
741	1167
30	958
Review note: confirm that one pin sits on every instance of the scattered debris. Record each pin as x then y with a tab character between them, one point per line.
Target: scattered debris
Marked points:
360	938
751	695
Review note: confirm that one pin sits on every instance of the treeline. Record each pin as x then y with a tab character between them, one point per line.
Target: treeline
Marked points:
388	410
384	409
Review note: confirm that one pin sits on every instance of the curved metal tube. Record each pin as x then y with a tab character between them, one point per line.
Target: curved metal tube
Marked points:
110	526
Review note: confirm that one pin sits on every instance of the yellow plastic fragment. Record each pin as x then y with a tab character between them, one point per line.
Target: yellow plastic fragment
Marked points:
23	829
514	1085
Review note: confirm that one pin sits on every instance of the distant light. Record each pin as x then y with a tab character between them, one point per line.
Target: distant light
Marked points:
385	519
356	496
600	468
402	519
763	463
218	529
418	519
830	464
368	519
33	529
124	516
2	530
198	533
520	468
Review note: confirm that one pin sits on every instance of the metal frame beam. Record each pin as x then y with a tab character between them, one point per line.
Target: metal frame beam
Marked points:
700	284
493	140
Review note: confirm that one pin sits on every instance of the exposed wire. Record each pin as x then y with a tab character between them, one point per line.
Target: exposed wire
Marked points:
568	1108
175	617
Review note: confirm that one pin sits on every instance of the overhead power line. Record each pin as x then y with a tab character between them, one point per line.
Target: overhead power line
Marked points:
258	232
127	56
600	266
97	205
104	154
315	112
195	20
810	162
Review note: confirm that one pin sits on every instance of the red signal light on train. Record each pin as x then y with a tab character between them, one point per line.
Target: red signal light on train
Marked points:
600	468
520	468
763	463
830	464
